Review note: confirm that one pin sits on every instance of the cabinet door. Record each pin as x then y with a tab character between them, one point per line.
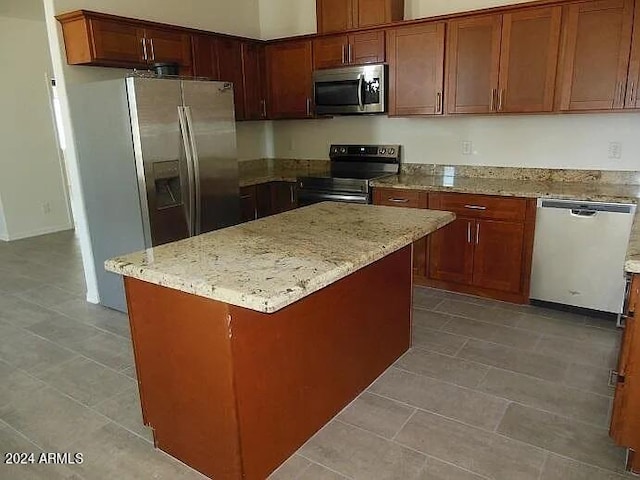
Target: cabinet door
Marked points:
330	52
117	42
451	252
528	60
283	197
473	65
334	15
595	55
420	257
253	79
248	205
264	206
625	421
205	57
416	69
289	69
633	84
168	46
498	258
366	48
368	13
230	70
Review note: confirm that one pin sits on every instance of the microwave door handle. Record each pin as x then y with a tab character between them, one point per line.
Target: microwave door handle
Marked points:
360	92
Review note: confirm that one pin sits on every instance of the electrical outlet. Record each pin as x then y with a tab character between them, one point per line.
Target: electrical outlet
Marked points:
615	150
46	208
467	148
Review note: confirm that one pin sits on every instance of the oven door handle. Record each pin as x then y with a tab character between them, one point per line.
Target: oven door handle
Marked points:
305	197
360	91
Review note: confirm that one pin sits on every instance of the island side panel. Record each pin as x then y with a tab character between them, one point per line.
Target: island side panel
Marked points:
297	368
183	360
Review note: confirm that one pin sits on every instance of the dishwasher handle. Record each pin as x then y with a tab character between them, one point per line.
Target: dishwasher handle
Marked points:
583	213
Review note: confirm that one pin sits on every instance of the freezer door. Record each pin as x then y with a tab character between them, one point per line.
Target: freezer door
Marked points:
164	176
210	112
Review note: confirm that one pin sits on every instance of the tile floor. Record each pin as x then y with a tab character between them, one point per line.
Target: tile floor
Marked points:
489	390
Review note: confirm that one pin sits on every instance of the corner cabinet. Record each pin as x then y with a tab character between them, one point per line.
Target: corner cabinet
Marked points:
416	69
289	79
503	63
265	199
594	64
109	41
487	250
625	418
341	15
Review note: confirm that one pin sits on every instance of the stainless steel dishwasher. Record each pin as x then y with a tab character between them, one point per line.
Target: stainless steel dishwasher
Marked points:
579	253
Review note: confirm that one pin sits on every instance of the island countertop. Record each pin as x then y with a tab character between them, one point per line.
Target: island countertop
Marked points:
271	263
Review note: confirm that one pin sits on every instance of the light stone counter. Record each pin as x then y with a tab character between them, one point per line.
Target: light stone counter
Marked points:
271	263
633	253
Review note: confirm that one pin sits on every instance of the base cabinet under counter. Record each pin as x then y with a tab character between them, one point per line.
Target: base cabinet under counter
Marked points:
625	417
486	251
262	200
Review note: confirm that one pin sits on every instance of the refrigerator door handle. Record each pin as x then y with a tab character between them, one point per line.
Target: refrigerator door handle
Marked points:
190	207
196	171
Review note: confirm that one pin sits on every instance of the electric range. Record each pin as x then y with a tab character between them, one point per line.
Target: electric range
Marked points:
353	168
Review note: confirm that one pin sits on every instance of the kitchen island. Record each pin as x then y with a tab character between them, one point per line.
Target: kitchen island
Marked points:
249	339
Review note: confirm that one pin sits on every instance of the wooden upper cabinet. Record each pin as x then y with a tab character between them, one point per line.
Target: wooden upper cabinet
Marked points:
230	70
369	13
330	52
633	84
595	54
253	73
289	72
341	15
334	15
473	64
115	41
168	46
355	49
205	56
416	69
528	60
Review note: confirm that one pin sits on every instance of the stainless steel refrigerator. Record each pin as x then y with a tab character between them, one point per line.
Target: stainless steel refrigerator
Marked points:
157	161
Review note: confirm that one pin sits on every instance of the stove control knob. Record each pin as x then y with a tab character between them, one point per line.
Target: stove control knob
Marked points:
383	151
343	150
392	151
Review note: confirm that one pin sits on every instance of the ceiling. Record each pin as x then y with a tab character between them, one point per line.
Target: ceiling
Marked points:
25	9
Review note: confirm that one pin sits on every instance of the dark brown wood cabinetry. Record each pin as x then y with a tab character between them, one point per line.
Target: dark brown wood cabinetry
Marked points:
106	40
341	15
487	251
289	72
354	49
633	83
504	63
625	418
394	197
416	69
254	78
594	63
262	200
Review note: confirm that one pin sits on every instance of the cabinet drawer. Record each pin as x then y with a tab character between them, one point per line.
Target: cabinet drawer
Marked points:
395	197
480	206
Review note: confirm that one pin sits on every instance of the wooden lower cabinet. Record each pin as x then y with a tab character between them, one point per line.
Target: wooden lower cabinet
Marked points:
394	197
625	418
487	251
265	199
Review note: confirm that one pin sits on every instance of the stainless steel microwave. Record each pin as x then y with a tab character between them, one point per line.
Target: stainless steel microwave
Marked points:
351	90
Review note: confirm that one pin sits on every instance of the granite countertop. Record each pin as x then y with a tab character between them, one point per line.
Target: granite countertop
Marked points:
264	171
271	263
597	192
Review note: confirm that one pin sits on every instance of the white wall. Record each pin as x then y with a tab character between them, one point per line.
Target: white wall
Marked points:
30	167
544	141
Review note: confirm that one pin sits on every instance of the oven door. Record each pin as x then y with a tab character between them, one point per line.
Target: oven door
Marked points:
352	90
309	197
